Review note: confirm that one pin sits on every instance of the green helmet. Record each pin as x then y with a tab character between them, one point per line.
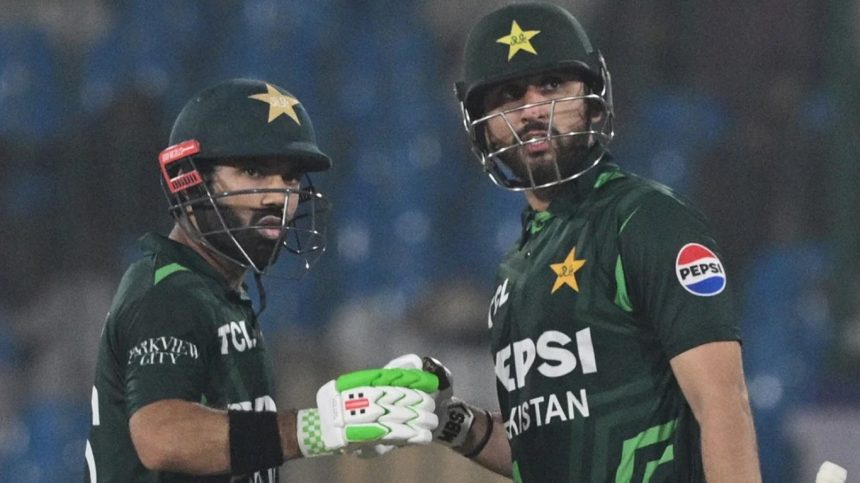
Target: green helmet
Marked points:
249	118
521	40
245	120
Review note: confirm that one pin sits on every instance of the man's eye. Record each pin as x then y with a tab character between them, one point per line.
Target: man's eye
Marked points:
291	179
252	172
551	83
511	92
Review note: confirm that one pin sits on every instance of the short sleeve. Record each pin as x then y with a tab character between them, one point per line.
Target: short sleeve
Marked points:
676	278
165	345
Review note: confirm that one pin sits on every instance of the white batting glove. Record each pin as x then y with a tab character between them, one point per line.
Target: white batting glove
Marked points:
455	417
363	408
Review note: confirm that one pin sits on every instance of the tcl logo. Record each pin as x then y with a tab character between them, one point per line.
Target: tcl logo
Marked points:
513	362
235	335
498	299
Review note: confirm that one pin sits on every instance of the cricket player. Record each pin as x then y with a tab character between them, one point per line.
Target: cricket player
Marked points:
184	385
615	343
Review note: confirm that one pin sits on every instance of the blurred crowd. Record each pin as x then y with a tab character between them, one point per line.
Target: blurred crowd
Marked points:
737	107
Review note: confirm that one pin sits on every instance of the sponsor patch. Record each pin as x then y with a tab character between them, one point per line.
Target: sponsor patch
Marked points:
699	270
166	350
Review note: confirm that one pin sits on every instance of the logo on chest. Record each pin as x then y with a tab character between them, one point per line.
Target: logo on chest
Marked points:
565	272
235	336
550	354
498	299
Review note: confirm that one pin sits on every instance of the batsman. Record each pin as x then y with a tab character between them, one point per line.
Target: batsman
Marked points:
184	386
615	345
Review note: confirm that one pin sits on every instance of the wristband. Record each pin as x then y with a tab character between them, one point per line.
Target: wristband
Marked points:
480	447
255	441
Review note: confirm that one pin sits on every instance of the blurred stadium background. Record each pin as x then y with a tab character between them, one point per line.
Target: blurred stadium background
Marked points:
749	108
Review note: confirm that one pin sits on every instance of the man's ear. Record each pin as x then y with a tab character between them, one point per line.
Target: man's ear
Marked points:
211	176
482	136
595	111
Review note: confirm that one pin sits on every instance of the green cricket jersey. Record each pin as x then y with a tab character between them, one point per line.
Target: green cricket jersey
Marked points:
175	330
600	292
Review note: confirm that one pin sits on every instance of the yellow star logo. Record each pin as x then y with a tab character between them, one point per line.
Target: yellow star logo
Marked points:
518	40
278	103
566	271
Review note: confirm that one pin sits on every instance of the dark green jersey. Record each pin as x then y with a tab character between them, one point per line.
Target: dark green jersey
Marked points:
600	292
175	330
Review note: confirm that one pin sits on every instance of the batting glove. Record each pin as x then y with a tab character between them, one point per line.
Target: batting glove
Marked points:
372	407
455	417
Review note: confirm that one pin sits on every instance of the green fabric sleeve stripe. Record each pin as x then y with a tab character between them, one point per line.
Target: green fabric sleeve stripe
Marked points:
515	473
652	435
167	270
651	467
622	299
627	220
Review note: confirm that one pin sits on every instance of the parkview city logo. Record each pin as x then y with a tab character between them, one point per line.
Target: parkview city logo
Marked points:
699	270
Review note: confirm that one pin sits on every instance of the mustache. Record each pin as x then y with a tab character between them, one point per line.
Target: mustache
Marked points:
537	126
257	214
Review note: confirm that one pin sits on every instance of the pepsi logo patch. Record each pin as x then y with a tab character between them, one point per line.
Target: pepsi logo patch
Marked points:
699	270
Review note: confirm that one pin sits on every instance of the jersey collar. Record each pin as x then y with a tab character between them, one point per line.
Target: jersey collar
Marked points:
571	194
579	188
169	251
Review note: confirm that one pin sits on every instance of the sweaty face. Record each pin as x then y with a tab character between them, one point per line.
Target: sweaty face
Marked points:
537	126
254	200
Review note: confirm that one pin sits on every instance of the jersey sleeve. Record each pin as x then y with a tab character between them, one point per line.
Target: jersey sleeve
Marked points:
676	279
166	346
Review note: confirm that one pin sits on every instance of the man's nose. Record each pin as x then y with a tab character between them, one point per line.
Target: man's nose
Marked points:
277	198
540	111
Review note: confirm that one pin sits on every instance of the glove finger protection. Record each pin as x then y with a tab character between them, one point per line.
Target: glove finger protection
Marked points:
407	361
446	379
363	408
455	416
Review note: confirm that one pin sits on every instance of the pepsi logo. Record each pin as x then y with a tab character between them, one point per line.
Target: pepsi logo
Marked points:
699	270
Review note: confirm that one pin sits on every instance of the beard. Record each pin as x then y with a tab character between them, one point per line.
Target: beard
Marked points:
260	250
566	153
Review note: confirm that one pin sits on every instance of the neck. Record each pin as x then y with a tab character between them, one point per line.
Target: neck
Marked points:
540	199
234	274
537	201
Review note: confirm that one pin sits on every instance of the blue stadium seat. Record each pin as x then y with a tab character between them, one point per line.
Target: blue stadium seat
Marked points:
52	443
152	47
277	42
786	331
30	102
667	134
